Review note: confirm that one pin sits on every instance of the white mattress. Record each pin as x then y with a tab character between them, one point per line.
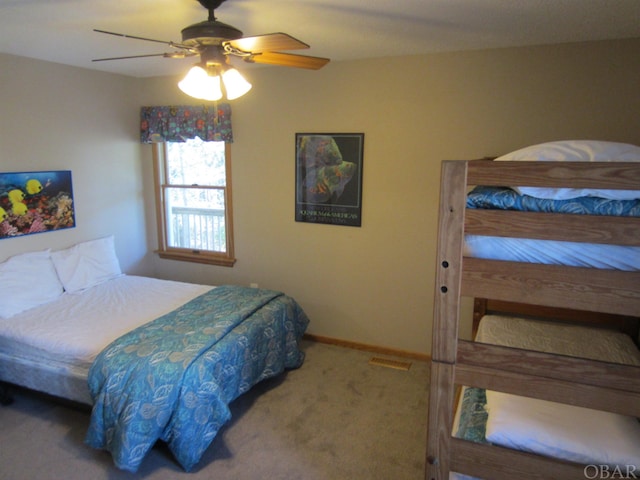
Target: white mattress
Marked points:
51	347
552	337
575	254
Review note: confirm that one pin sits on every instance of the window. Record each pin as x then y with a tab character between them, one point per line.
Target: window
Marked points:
193	201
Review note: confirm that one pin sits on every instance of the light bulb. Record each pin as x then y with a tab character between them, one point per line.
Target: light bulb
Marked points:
199	84
235	84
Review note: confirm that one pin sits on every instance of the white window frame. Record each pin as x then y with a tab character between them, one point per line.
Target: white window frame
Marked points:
227	258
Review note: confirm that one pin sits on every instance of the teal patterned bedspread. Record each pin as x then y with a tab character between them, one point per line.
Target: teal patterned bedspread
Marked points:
504	198
473	415
172	379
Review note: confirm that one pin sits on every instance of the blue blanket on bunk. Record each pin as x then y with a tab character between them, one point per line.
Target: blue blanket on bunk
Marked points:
173	378
504	198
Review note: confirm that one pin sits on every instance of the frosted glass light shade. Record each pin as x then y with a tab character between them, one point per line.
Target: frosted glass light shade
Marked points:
199	84
235	84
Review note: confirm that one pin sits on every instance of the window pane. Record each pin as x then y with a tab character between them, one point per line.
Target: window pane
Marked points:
195	162
192	191
196	218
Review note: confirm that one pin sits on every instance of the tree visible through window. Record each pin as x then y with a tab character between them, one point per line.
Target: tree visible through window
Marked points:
194	201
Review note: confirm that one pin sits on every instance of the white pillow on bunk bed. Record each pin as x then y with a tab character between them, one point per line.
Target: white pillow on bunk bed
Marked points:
557	430
27	281
87	264
576	151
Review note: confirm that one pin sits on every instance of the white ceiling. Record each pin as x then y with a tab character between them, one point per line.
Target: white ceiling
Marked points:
62	30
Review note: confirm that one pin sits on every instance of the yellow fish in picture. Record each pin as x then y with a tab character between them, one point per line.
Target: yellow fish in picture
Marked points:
16	198
35	202
33	186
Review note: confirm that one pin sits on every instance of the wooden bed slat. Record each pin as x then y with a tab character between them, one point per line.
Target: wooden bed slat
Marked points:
497	463
610	291
543	388
580	370
608	175
554	226
556	386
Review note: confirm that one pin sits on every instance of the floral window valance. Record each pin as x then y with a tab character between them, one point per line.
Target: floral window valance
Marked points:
179	123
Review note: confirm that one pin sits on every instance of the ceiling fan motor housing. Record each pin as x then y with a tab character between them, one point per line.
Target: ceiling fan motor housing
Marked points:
209	33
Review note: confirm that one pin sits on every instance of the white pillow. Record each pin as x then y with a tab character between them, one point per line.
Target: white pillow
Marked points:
576	151
87	264
562	431
26	281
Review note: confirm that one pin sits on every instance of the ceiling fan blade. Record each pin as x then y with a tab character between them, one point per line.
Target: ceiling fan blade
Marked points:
171	44
267	43
288	60
166	55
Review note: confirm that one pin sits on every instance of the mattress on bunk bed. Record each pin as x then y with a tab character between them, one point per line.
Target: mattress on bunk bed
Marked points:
51	347
577	254
557	430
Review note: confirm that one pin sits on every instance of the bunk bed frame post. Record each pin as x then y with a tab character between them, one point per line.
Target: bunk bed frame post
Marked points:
446	307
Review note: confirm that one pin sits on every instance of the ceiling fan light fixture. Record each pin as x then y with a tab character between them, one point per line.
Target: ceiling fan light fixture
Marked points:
197	83
235	84
215	43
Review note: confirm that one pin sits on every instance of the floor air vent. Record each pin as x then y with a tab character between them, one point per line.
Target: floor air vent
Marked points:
387	362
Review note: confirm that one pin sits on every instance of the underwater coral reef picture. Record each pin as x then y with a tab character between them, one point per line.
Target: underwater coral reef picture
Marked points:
329	178
35	202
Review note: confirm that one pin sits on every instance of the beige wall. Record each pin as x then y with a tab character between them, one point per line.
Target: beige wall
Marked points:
56	117
372	284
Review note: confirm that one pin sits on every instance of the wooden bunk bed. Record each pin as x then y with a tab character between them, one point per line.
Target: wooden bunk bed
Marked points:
575	381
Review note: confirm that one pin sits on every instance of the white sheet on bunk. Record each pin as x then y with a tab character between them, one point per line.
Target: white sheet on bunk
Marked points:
575	254
563	431
73	329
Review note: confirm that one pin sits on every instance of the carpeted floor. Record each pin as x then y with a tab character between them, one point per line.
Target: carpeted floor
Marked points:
337	417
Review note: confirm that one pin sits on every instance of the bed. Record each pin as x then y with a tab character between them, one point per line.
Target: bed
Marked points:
546	428
155	359
570	282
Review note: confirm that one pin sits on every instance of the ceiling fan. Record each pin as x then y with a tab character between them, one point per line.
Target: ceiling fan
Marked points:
214	42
